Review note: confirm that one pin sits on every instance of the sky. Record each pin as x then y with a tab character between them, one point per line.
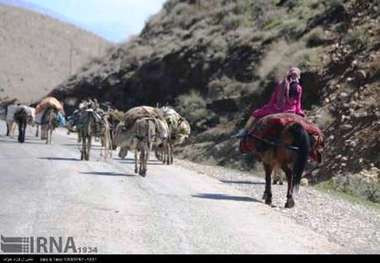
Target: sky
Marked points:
114	20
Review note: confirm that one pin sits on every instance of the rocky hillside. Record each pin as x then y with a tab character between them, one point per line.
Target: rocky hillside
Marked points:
38	52
215	60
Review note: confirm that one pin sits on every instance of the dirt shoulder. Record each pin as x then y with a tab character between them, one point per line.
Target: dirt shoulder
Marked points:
353	225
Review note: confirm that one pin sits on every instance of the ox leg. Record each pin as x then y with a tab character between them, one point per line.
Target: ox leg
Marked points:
83	148
50	135
289	196
19	124
24	131
8	129
143	155
268	183
47	135
164	152
168	153
108	144
123	152
157	153
88	147
136	160
146	148
12	127
160	152
171	154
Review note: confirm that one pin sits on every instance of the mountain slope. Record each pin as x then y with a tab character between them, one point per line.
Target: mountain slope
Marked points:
216	60
38	52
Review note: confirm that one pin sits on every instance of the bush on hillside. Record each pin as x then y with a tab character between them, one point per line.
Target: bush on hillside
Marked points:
192	106
315	37
357	39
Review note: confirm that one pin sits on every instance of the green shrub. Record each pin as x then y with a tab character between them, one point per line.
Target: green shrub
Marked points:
308	59
332	4
272	23
192	106
292	28
315	37
358	185
357	39
374	68
232	22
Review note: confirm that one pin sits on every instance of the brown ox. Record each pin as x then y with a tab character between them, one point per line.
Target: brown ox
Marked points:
283	141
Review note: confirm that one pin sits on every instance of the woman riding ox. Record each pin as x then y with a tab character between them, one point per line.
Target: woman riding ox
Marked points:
280	137
286	98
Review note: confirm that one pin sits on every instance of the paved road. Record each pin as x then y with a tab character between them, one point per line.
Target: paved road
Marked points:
46	191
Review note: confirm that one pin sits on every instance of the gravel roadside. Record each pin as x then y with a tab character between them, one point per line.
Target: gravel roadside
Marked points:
352	225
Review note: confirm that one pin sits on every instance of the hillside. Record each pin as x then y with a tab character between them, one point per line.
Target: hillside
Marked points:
38	52
216	60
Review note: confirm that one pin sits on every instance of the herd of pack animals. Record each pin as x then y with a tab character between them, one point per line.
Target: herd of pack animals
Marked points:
146	129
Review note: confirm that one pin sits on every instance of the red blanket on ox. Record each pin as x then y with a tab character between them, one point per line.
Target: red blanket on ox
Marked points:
271	126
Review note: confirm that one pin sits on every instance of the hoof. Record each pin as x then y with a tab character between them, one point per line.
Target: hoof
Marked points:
281	183
267	198
275	182
290	203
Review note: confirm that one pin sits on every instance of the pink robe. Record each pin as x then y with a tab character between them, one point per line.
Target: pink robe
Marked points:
291	105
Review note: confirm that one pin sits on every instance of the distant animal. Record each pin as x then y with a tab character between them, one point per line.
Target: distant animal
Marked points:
138	137
10	119
161	142
49	124
7	116
280	141
179	130
134	114
115	117
49	114
91	124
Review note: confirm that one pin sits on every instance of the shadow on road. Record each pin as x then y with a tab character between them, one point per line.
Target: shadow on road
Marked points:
59	159
132	161
93	147
108	174
14	141
71	144
242	182
226	197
